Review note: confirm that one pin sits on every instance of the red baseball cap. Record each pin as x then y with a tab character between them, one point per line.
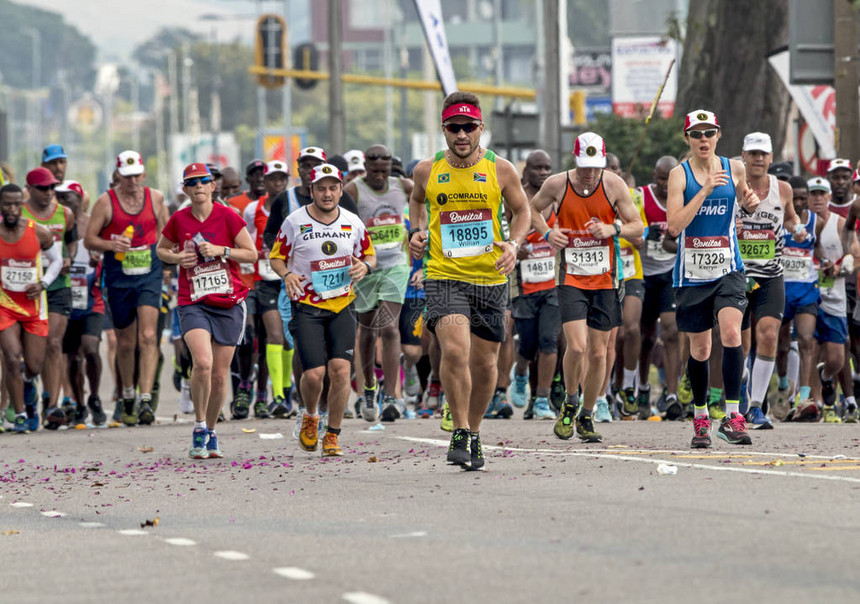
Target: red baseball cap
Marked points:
195	171
41	177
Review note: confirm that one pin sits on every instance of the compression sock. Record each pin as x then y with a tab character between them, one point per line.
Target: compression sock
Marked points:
699	374
275	363
733	366
761	372
288	367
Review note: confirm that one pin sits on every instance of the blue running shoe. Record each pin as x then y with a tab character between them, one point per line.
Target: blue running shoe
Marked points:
20	425
495	404
30	394
212	449
542	410
756	418
518	394
601	411
198	444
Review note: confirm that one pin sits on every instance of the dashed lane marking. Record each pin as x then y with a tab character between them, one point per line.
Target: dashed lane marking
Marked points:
293	572
231	555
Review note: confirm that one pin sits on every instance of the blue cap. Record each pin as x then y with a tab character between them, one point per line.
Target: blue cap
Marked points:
53	152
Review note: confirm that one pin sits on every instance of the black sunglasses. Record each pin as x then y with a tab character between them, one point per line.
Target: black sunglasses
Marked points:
467	128
709	133
192	182
44	188
373	157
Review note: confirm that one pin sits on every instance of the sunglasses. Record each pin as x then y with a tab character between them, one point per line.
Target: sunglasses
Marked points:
709	133
44	188
373	157
467	128
192	182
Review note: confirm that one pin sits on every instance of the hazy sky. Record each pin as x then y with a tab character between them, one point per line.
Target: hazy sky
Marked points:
116	27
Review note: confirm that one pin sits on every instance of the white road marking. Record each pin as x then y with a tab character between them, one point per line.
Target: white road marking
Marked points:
181	541
598	454
292	572
232	555
90	524
407	535
53	514
21	504
132	532
360	597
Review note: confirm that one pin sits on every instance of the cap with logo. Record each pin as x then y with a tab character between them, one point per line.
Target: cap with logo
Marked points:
325	171
461	110
758	141
129	163
354	157
41	177
589	151
698	117
52	152
316	152
818	184
782	170
196	170
839	164
254	164
276	166
70	186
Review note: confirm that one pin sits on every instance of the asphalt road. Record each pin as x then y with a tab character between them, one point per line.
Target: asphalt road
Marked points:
548	521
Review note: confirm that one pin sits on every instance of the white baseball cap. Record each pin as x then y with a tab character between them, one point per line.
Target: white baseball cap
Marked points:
275	166
758	141
354	157
316	152
818	184
700	116
129	163
589	150
358	167
325	171
838	163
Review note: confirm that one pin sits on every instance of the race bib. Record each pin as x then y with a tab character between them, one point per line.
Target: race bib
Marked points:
80	287
466	232
539	267
796	263
246	268
264	267
386	232
757	244
628	262
330	277
706	257
654	249
210	278
16	275
587	256
137	261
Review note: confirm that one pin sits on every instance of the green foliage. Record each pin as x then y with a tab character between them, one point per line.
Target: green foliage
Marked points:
63	48
151	52
664	137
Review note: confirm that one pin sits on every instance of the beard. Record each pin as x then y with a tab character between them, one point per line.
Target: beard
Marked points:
10	222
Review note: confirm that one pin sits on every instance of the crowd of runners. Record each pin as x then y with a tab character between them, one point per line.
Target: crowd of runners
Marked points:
454	288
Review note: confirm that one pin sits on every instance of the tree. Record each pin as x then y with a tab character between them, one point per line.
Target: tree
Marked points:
725	68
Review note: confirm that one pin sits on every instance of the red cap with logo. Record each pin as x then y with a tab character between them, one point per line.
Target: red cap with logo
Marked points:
70	186
196	170
41	177
461	109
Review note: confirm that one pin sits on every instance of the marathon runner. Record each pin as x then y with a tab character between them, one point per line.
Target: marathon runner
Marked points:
207	240
595	208
44	209
382	204
231	183
23	303
84	331
709	279
535	304
255	177
124	227
320	252
465	188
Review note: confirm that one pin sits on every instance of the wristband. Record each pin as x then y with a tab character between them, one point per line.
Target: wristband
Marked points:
546	235
412	232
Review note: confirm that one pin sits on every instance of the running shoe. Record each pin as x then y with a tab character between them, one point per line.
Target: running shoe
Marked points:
629	406
499	407
585	428
309	435
278	408
330	448
493	407
240	407
198	444
564	425
261	410
9	414
782	404
69	407
129	414
423	412
323	425
643	401
411	381
685	390
20	425
186	405
212	448
542	410
829	415
828	388
529	413
716	411
32	413
805	411
518	394
557	393
733	430
298	427
757	419
458	449
476	451
447	421
348	413
98	413
602	414
701	433
145	414
117	410
369	406
81	414
674	408
390	410
31	395
851	414
434	393
177	377
54	418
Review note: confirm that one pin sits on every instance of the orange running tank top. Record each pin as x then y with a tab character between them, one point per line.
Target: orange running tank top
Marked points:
20	266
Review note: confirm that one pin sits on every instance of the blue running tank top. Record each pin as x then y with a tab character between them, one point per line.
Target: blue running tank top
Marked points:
708	246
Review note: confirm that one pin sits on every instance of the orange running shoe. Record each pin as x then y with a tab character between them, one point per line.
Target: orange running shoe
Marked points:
309	435
330	447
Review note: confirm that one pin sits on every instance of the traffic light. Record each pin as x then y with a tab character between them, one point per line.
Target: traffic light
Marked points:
270	49
307	58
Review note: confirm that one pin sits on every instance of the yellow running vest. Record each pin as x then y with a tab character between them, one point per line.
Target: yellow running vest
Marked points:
464	210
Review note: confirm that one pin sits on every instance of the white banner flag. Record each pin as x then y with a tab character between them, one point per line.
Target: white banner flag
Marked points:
430	12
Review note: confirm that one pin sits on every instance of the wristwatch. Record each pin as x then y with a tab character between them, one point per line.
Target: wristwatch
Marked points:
369	268
226	253
617	226
515	244
44	284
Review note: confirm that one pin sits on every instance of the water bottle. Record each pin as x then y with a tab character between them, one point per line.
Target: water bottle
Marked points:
127	234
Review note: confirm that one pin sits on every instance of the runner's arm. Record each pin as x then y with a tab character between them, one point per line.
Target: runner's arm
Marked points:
277	214
417	209
54	256
515	200
631	227
746	197
100	217
785	195
160	208
549	195
848	233
678	215
245	251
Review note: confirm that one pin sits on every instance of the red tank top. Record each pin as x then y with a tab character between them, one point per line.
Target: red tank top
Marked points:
145	223
655	213
20	266
587	262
